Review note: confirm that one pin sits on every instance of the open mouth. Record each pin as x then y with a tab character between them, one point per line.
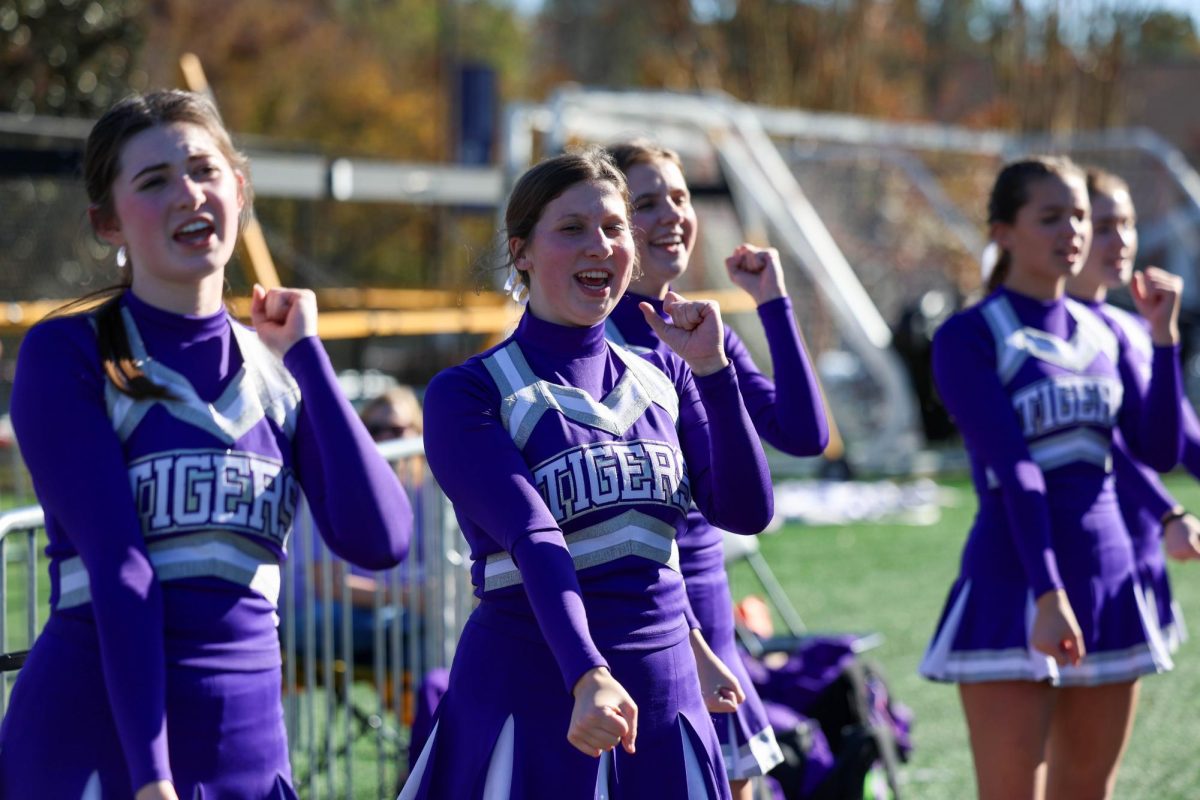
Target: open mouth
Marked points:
672	243
195	233
594	281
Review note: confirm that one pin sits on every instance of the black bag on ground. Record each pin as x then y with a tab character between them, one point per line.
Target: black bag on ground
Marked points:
842	735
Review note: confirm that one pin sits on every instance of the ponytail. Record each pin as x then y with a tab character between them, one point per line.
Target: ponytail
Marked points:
116	356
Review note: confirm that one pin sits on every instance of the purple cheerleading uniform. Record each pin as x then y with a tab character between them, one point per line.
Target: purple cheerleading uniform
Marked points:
787	414
1144	500
1037	389
167	523
571	463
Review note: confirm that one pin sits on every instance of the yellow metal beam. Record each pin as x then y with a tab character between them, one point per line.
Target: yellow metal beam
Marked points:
252	244
358	313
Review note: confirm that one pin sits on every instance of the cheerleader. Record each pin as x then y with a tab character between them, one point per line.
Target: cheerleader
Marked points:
1154	519
788	413
1045	630
572	463
169	446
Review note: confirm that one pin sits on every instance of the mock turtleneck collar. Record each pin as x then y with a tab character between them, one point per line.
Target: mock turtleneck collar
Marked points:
1052	314
565	340
188	325
1092	304
629	317
634	299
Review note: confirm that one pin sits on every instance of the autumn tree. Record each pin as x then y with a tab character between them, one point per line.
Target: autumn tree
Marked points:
68	57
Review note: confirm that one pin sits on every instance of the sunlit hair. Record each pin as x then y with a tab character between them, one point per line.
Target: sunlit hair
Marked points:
627	155
544	182
1102	183
1010	193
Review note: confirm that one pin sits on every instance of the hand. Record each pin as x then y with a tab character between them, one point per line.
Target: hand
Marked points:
695	332
1156	294
758	271
159	790
1055	631
1181	538
720	687
604	714
282	317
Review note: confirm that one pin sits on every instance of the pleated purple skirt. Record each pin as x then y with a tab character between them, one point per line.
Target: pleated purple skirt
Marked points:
225	730
748	744
983	633
501	728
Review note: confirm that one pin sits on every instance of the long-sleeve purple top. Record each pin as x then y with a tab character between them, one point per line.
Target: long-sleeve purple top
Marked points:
1144	500
788	413
183	570
1036	389
571	465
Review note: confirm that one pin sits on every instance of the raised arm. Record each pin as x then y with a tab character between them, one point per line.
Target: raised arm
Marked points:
82	481
1150	414
788	413
726	466
356	499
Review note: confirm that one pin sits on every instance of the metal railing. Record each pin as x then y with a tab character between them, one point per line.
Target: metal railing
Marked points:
348	700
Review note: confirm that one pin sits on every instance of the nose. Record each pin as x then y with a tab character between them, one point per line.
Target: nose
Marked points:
598	245
190	193
671	212
1126	235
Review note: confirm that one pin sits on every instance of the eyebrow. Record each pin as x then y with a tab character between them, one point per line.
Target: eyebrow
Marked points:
151	168
164	165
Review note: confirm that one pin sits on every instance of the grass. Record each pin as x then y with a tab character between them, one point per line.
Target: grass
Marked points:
893	579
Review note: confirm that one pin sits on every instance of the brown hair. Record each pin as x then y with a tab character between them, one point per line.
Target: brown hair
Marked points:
101	163
1010	193
641	151
544	182
1102	182
401	399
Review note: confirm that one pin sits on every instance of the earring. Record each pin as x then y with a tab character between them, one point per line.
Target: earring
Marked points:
988	260
515	287
122	258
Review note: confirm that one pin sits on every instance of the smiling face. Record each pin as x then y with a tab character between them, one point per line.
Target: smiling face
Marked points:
580	255
1114	239
664	221
1048	240
175	206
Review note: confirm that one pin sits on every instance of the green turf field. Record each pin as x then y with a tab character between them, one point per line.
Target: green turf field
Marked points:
893	579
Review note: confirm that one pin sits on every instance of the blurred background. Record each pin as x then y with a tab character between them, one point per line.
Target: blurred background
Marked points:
384	135
859	137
